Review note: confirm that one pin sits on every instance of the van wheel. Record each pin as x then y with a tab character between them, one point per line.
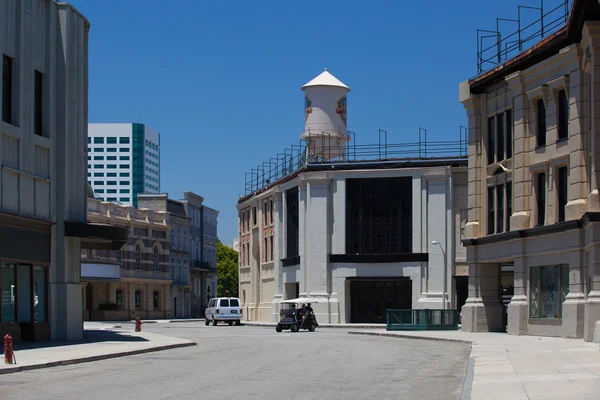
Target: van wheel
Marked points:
206	322
214	322
230	323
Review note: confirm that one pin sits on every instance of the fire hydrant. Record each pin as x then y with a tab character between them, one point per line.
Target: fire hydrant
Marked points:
138	324
8	350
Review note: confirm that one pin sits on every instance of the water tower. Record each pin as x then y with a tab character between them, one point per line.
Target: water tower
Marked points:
325	118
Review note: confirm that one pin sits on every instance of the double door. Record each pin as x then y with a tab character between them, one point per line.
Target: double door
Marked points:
371	298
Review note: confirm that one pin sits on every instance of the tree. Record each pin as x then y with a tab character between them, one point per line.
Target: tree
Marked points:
227	271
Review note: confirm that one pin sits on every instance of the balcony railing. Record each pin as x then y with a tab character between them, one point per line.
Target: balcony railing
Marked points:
422	320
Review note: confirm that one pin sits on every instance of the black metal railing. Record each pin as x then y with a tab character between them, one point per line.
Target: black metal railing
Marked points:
421	320
494	47
331	149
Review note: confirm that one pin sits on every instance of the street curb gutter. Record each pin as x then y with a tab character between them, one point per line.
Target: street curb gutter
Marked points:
401	336
82	360
465	394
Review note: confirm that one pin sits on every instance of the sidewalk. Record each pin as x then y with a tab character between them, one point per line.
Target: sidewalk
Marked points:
345	326
511	367
99	344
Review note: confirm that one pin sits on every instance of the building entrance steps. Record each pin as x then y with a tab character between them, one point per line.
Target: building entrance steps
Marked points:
100	343
514	367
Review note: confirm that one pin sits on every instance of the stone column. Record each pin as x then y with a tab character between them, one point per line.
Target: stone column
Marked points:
277	255
302	207
318	244
472	104
521	178
483	311
518	311
338	243
591	32
574	306
592	304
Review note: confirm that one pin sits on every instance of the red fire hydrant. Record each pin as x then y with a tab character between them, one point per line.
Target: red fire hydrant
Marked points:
138	324
8	350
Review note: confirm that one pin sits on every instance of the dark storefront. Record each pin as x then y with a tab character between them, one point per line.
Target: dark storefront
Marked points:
370	298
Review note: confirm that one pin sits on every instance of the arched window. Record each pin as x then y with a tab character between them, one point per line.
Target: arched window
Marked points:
156	259
138	257
119	297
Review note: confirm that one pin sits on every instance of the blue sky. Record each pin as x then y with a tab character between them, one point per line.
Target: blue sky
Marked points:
220	80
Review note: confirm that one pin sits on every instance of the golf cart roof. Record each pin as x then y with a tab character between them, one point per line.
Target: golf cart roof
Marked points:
302	300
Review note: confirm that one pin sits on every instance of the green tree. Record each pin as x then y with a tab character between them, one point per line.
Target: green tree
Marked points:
227	271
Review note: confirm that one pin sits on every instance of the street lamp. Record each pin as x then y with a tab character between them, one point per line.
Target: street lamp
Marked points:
436	242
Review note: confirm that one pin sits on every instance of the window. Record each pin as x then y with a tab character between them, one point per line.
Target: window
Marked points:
98	183
111	150
119	297
138	258
111	183
124	140
111	140
98	149
111	174
271	247
98	190
111	158
500	208
508	204
265	214
89	141
500	137
563	115
156	259
124	158
120	257
172	238
155	300
271	207
7	89
224	303
197	250
124	150
491	211
138	299
548	289
541	198
379	216
98	166
111	199
124	199
39	294
124	174
7	290
292	223
491	143
509	129
253	216
541	123
111	166
111	191
265	250
178	238
38	112
562	192
185	239
126	166
125	183
98	140
98	158
124	191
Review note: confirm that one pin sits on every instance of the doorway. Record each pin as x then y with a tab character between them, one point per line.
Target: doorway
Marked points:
462	291
370	298
507	289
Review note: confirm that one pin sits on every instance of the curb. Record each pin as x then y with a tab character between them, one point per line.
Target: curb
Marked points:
465	394
401	336
82	360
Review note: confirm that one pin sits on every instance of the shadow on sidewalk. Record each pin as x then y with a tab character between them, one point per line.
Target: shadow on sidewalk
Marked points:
89	336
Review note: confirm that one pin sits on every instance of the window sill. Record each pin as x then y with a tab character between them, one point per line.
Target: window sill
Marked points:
290	261
540	147
561	140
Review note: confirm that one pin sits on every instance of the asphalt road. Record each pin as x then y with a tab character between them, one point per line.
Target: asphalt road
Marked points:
258	363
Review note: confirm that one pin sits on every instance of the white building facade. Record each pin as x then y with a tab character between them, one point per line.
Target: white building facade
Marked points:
123	160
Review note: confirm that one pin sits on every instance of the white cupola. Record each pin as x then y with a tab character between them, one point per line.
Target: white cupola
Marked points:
325	117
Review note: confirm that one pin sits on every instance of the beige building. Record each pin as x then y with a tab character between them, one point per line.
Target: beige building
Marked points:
134	281
534	205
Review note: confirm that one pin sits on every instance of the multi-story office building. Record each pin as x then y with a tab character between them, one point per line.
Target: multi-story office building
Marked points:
43	185
123	160
362	230
534	157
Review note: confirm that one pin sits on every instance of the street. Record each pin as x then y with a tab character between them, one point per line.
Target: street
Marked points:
255	362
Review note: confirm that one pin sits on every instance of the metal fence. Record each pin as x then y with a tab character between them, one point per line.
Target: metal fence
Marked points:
421	320
533	23
339	149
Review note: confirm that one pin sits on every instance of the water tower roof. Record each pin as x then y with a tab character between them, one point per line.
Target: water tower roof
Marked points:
326	79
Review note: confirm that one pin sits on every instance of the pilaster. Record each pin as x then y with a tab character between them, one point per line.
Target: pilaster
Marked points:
573	308
302	208
483	311
277	254
517	309
591	33
592	303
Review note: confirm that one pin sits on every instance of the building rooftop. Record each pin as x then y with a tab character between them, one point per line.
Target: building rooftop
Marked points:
326	79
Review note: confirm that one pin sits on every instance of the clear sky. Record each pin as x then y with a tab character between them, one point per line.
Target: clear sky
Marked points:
220	80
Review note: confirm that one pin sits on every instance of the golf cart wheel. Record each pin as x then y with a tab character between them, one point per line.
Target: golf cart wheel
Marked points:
230	323
312	328
294	328
206	322
278	328
214	322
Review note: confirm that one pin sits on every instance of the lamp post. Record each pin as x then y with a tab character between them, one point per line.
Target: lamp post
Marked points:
436	242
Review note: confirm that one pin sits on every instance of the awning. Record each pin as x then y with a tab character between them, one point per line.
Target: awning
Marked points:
97	236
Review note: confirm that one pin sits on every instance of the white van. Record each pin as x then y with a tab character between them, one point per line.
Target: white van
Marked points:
226	309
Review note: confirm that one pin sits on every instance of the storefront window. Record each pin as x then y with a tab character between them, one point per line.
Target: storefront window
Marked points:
39	294
138	299
8	293
24	295
548	289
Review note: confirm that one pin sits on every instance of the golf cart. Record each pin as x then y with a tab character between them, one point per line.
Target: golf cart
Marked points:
292	320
